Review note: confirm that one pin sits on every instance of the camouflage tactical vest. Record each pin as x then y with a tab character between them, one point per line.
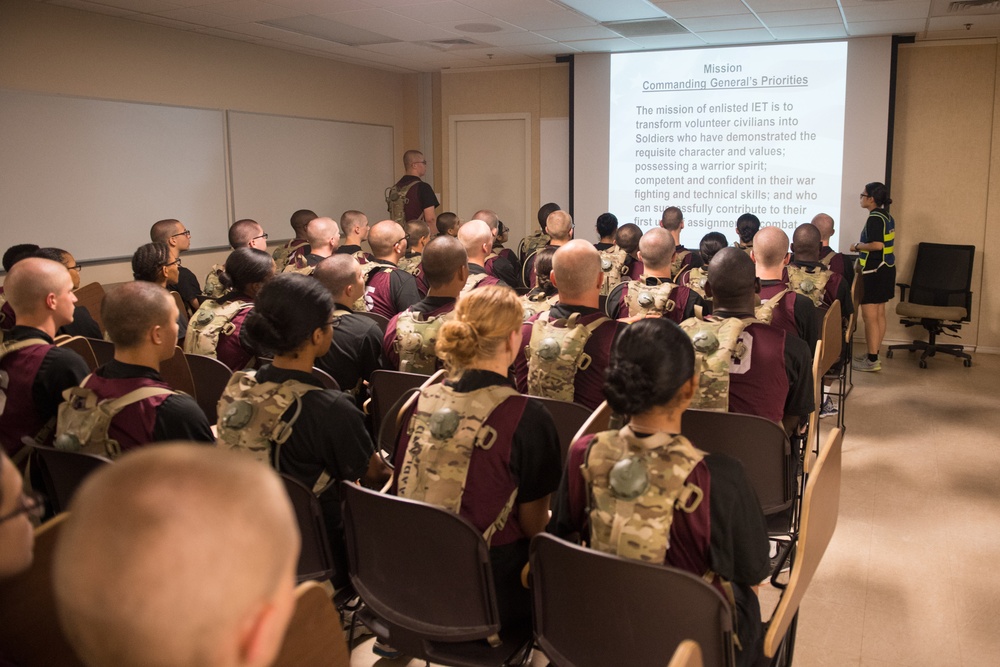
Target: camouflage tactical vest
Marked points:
445	429
415	342
213	285
84	418
536	303
614	268
472	282
3	316
716	345
697	278
282	253
555	354
809	283
643	299
299	264
530	244
368	269
251	414
765	311
396	200
410	264
211	321
636	484
678	262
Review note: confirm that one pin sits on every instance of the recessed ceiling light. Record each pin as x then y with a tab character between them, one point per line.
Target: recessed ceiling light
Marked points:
478	27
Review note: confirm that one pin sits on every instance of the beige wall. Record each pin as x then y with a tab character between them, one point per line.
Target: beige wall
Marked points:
53	49
943	187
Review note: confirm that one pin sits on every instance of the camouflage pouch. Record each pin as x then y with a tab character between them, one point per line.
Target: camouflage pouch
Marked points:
555	354
396	200
472	282
531	244
643	299
299	264
534	304
678	262
410	264
697	278
809	283
716	344
211	321
415	342
614	268
635	485
765	311
283	252
213	285
445	428
83	418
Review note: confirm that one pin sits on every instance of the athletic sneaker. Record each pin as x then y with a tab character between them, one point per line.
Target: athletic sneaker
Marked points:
383	650
867	365
828	409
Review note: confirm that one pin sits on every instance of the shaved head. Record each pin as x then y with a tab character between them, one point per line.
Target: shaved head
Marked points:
770	247
806	243
489	217
443	257
300	219
627	237
656	250
672	219
130	310
322	231
824	223
162	230
172	555
243	232
577	267
351	219
32	281
476	237
336	272
731	275
559	225
384	236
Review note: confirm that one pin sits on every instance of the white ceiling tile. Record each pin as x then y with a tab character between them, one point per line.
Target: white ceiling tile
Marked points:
790	5
668	41
730	22
228	34
801	17
505	28
198	17
887	11
161	20
551	20
683	9
93	7
605	45
249	10
980	22
404	50
553	49
510	39
577	34
619	10
886	27
391	25
792	33
439	12
322	6
511	7
142	6
750	36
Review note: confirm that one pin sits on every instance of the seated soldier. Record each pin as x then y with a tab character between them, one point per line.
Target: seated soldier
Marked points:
654	293
769	370
807	275
715	526
499	267
503	233
559	228
326	441
178	240
179	556
215	329
151	263
323	235
447	223
536	240
672	220
544	294
478	346
417	236
83	324
627	238
607	227
747	225
17	534
356	351
298	245
141	320
36	372
244	233
409	340
476	237
834	260
353	230
568	346
785	309
387	290
695	278
12	256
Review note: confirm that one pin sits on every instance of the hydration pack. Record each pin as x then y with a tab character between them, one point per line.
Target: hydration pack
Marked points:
636	484
717	345
84	418
213	284
396	198
765	311
410	264
537	302
299	264
614	268
472	282
555	354
530	244
643	299
283	252
445	429
416	339
678	262
209	323
810	283
697	278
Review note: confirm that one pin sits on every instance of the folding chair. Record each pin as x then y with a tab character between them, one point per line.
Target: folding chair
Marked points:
385	389
325	378
62	472
820	507
648	610
176	373
29	626
601	419
81	346
381	320
428	591
833	336
91	296
182	307
688	654
104	350
568	417
210	377
315	557
314	635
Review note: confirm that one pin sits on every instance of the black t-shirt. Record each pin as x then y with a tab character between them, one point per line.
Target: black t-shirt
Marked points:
601	247
177	418
429	304
503	270
82	325
356	350
348	249
187	286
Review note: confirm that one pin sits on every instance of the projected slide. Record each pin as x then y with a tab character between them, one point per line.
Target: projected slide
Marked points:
722	132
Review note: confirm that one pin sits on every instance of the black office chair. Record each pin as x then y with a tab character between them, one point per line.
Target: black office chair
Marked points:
646	610
428	591
940	298
315	557
62	472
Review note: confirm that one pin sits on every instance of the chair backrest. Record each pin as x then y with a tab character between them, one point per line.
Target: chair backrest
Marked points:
315	557
210	377
820	507
315	635
62	472
833	336
104	350
385	388
648	610
407	559
758	443
688	654
81	346
177	374
599	420
29	627
91	296
569	417
942	276
325	378
809	456
381	320
181	306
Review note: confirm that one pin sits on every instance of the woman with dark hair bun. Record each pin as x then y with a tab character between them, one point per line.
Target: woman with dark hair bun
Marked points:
215	328
651	495
878	270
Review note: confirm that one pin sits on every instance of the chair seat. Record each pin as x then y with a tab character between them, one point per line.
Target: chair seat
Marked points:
953	313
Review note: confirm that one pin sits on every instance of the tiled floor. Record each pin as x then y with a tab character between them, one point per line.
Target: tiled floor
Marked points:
909	578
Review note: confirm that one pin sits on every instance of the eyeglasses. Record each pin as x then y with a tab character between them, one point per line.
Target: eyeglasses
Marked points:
32	504
262	236
75	267
186	232
420	162
176	261
399	241
865	194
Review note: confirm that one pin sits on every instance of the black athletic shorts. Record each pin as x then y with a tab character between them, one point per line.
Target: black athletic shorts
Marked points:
880	286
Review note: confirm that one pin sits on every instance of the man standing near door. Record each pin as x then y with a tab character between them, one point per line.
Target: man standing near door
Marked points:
410	198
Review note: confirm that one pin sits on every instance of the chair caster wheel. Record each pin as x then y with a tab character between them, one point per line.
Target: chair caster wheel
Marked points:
888	355
923	364
967	363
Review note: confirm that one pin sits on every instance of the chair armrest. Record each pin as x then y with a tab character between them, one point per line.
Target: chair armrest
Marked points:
902	290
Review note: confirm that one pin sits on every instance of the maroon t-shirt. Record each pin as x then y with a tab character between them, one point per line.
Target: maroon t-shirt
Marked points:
20	417
784	313
390	290
635	268
133	426
229	351
759	385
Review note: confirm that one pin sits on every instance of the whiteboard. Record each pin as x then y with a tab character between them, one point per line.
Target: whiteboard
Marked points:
91	176
281	164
